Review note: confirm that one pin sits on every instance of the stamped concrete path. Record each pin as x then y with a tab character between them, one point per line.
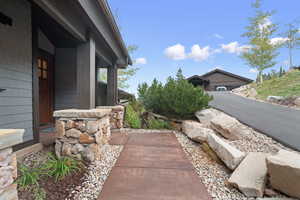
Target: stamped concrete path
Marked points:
152	167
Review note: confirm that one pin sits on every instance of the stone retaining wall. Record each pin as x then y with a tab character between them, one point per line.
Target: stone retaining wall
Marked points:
8	163
116	116
82	134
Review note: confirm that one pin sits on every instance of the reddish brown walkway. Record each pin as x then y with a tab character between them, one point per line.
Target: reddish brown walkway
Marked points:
152	167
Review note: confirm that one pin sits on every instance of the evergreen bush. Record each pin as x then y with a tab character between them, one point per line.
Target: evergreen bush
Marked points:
177	98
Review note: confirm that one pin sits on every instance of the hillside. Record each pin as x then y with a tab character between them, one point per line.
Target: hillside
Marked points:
286	86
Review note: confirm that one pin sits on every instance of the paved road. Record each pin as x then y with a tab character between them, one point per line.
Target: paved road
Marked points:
278	122
152	166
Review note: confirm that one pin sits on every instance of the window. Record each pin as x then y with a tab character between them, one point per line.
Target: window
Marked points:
42	68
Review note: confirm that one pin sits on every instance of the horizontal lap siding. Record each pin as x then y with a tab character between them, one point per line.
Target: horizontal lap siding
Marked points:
16	68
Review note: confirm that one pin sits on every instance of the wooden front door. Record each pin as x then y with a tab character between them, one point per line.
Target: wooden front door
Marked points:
45	74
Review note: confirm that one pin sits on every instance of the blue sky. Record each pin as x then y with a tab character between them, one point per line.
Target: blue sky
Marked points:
208	31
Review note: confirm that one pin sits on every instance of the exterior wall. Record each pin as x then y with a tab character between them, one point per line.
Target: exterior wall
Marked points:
65	75
16	68
220	79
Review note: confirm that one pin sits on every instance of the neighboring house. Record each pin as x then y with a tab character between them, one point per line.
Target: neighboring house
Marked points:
219	80
50	52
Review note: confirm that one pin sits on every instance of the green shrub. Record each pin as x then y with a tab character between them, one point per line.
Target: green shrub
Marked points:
28	176
177	98
158	124
60	167
132	118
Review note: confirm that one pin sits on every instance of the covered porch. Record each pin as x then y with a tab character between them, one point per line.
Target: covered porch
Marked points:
68	49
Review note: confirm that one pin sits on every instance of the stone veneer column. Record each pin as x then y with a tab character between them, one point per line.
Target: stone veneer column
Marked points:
81	134
8	163
116	116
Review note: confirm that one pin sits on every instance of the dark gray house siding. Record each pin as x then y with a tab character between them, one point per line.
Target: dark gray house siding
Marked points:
16	68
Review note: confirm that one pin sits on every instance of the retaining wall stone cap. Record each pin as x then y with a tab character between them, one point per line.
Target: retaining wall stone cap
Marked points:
10	137
77	113
118	107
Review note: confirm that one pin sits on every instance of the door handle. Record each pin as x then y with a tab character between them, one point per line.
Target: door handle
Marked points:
2	90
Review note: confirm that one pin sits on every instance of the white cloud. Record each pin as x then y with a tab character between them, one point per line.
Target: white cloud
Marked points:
253	70
218	36
176	52
265	24
199	54
141	61
278	40
235	48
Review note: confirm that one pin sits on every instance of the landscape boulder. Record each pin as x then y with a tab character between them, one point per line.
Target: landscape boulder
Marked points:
251	175
297	101
195	131
231	156
252	93
205	116
227	126
284	172
275	99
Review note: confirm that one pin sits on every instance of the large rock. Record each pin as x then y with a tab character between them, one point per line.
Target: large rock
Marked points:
227	126
205	116
252	93
284	172
227	153
275	99
251	175
297	101
195	131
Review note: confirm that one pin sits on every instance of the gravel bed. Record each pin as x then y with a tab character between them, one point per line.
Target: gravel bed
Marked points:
36	159
215	176
96	175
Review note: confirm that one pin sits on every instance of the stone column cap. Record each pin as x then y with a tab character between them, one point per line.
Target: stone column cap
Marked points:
10	137
78	113
114	108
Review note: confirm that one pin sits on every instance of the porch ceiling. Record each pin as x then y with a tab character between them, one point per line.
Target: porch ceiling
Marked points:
54	31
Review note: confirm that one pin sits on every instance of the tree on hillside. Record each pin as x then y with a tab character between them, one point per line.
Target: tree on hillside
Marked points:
123	74
262	53
293	41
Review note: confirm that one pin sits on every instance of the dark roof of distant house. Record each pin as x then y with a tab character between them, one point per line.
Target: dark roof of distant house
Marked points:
203	77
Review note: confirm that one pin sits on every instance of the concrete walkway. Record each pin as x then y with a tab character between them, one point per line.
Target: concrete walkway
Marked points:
279	122
152	167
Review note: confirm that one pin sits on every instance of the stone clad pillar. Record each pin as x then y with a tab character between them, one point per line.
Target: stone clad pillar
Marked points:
8	162
82	134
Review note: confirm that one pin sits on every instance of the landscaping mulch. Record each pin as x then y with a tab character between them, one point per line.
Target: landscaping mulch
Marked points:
55	190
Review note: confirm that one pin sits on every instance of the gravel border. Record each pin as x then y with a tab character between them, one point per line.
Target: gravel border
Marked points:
215	176
97	174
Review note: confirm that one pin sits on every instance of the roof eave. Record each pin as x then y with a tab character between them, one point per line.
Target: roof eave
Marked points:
107	11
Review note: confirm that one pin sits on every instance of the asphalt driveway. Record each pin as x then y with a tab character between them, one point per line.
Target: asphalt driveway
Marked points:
278	122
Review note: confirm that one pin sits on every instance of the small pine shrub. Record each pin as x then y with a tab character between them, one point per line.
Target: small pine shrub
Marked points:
28	177
132	118
158	124
60	167
177	98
